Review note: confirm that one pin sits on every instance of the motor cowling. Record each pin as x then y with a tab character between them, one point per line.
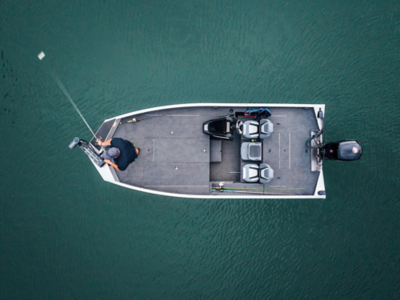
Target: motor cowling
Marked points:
347	150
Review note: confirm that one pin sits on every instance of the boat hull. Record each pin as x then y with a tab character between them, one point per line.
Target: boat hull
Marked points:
171	163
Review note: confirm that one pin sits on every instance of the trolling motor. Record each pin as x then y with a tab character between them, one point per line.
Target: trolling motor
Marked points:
88	149
345	150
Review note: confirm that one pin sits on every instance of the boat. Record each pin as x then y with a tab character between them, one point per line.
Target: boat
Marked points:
223	150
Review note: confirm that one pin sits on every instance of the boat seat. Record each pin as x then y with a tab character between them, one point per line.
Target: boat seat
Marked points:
251	151
250	173
266	128
250	129
253	129
262	173
266	173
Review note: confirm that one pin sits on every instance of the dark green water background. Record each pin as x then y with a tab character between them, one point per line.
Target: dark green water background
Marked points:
66	234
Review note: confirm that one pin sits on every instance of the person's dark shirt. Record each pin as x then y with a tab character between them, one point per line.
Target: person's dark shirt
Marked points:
127	153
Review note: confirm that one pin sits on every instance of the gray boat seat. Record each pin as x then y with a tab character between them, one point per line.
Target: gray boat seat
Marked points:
250	129
266	173
251	151
250	173
266	128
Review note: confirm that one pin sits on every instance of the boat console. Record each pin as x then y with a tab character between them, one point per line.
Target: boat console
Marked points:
220	128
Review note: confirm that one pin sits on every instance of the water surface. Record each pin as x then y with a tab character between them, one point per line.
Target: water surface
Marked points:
66	234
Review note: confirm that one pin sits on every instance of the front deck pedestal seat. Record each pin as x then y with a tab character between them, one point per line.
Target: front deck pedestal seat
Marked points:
251	151
250	173
266	173
266	128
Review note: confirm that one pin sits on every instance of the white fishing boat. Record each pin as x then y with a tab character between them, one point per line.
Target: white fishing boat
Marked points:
218	150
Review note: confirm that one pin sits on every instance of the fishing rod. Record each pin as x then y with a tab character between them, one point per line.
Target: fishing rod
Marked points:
245	192
283	189
134	120
231	188
255	188
64	90
237	191
86	147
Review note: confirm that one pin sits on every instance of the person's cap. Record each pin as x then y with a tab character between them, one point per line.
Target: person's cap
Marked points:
111	153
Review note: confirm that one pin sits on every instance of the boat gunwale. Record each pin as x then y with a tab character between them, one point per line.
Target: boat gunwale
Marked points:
183	105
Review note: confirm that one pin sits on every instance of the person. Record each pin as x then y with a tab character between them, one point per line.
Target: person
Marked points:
122	151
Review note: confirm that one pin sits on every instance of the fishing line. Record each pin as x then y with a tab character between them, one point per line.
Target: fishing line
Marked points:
64	90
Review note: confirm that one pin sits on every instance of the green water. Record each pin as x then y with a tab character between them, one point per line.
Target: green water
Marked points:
66	234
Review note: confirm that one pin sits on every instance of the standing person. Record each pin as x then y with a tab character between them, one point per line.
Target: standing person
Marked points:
122	151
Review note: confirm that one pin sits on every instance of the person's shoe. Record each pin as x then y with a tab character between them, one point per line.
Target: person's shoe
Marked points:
137	151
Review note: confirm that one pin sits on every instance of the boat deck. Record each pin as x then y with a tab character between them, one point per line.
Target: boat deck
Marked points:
177	157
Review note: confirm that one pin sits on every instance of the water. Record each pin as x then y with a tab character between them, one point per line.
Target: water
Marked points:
64	90
65	234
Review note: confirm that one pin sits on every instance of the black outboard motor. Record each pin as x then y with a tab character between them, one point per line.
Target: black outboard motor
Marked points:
347	150
88	149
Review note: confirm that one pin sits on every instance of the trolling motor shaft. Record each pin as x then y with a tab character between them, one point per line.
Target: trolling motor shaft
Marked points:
88	149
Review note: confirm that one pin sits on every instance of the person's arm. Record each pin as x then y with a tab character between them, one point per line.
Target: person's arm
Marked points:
105	143
111	164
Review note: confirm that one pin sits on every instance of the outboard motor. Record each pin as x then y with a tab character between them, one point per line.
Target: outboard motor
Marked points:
347	150
88	149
